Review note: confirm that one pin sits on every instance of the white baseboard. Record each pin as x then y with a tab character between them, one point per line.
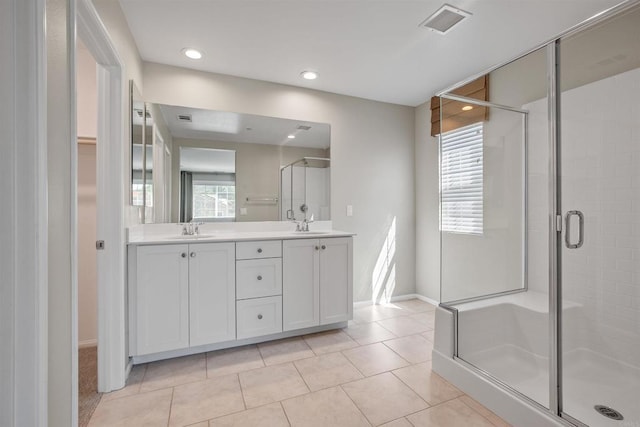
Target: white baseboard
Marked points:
360	304
87	343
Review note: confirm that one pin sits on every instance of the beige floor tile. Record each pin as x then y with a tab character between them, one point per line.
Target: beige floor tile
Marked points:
206	399
327	370
416	305
233	360
374	358
173	372
371	313
265	416
368	333
453	413
429	385
405	325
271	384
429	335
329	342
286	350
413	348
143	409
482	410
384	398
400	422
133	384
427	318
497	421
329	407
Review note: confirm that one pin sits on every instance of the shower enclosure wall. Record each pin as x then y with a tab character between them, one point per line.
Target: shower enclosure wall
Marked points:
305	190
540	318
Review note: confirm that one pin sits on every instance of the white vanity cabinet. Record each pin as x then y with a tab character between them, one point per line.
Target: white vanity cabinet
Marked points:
160	295
317	286
181	296
259	288
193	296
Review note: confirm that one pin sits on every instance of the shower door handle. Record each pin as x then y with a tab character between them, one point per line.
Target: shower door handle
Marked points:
567	232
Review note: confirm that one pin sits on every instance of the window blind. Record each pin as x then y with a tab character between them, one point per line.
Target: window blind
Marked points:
461	180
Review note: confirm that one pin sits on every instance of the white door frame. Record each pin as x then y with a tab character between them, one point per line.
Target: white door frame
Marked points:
24	212
112	138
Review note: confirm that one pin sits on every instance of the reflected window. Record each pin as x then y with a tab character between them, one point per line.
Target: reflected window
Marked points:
214	200
137	194
461	180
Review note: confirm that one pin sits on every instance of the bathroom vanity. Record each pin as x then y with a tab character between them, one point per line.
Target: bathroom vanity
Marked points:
190	294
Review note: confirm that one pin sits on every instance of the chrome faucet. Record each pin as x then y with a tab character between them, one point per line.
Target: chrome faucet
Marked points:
304	224
191	228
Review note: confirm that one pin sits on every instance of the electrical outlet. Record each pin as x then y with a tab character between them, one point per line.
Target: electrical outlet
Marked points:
243	211
349	210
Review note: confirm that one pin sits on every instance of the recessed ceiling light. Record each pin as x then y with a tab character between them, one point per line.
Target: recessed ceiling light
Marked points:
309	75
192	53
467	108
291	136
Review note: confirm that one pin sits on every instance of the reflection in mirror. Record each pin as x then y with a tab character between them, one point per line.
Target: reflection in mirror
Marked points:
249	187
207	185
305	189
142	156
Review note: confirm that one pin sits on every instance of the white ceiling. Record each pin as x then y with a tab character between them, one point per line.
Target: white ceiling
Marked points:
244	128
207	160
371	49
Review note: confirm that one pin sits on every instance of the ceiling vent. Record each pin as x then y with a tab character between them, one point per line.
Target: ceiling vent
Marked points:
303	127
444	19
184	118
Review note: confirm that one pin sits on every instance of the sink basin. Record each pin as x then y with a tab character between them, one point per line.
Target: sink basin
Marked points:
192	237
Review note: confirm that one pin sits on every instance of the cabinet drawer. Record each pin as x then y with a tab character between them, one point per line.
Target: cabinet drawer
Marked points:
259	316
261	249
258	278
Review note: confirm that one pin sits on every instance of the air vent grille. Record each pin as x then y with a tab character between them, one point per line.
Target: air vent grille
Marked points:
303	127
444	19
185	118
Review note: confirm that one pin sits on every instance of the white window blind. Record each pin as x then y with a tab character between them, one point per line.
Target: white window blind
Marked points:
461	180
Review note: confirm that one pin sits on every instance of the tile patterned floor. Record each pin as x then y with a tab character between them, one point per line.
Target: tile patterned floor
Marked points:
377	371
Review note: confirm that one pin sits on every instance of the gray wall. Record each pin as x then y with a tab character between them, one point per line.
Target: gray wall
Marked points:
372	151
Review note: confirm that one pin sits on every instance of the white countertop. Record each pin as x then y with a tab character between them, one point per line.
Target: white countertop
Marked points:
210	234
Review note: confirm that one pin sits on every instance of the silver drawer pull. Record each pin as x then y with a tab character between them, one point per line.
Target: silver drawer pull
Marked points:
259	250
317	248
183	254
260	316
324	247
193	254
259	277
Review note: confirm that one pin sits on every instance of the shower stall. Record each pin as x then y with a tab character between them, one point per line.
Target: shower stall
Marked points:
540	231
305	189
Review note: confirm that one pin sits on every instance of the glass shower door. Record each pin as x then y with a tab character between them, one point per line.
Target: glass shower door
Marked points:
599	254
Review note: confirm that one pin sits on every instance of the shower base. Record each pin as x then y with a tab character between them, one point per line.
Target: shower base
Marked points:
590	379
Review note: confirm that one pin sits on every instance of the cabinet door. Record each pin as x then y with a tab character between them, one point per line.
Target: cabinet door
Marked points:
336	283
300	284
212	294
161	299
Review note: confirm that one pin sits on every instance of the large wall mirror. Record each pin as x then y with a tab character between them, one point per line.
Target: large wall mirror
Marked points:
217	166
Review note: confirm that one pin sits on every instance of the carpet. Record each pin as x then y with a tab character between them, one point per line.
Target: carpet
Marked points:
88	396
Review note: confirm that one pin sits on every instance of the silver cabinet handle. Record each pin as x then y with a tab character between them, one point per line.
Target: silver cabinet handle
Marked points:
183	254
259	277
259	316
324	247
567	232
259	250
192	254
317	248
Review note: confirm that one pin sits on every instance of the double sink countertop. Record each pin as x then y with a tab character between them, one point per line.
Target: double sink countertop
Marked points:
153	234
